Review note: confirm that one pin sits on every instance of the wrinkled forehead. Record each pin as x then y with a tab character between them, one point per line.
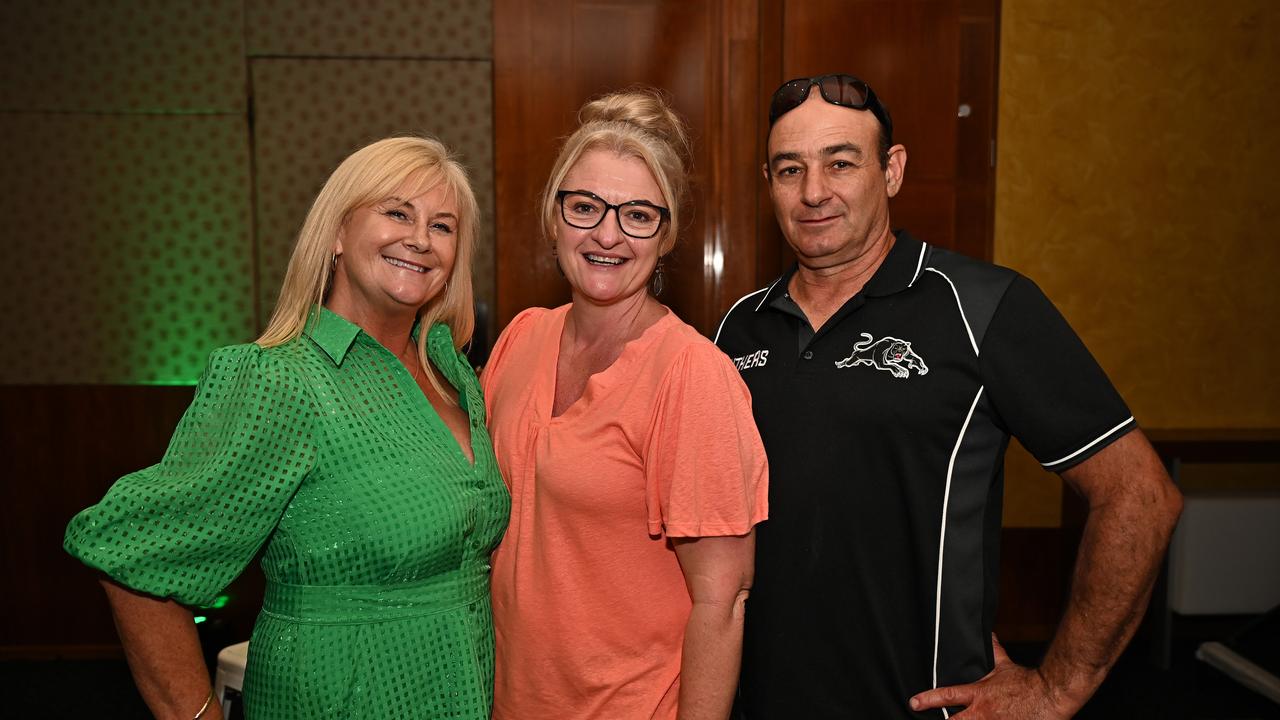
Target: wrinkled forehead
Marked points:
816	124
615	175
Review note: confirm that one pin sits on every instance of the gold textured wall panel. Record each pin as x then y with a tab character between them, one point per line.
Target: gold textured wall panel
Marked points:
113	56
1138	183
310	114
127	241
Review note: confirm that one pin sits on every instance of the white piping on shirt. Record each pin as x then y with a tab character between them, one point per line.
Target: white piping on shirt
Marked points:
1099	439
942	537
960	305
919	264
739	302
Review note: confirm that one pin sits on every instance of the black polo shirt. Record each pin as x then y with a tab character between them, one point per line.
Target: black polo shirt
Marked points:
876	573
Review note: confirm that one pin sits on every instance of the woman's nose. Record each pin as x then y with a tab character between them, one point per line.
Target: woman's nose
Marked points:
609	233
419	238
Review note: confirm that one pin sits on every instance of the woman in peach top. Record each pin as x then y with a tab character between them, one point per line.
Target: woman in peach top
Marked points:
636	471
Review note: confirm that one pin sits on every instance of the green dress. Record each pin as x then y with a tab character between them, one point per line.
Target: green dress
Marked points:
377	529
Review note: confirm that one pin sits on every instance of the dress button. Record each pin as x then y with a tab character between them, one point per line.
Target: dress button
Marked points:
808	355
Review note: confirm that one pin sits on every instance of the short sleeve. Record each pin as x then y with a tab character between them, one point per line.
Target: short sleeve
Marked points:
186	527
705	467
1046	386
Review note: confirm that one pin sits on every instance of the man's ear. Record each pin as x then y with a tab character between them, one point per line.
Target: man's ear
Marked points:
764	170
895	169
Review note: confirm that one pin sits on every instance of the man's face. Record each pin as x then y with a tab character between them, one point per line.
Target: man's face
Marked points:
829	192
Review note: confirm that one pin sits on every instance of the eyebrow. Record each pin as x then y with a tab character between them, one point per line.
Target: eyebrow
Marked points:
400	202
640	201
780	157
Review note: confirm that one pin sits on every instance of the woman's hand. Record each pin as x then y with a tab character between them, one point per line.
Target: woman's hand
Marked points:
718	572
163	650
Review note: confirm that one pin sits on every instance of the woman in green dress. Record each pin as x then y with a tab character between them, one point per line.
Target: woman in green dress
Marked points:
347	443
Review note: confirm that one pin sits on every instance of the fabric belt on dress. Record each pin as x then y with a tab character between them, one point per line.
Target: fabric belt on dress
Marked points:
351	604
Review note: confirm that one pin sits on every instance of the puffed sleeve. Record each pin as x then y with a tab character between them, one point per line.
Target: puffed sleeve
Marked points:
510	336
186	527
705	467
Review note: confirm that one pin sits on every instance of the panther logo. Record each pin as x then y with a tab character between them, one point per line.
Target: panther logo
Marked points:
887	353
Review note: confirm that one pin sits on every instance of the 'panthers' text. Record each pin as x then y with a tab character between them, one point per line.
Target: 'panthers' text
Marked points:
755	359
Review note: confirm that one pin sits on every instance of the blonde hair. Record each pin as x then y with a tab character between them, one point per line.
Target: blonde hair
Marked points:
638	122
366	177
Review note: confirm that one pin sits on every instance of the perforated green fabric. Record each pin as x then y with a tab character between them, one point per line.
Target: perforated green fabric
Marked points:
377	529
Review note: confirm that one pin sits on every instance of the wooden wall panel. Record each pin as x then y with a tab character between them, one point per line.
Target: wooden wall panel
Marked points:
907	51
925	59
721	61
550	56
62	447
976	131
910	52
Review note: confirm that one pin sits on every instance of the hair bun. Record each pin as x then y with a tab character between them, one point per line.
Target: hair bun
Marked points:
642	107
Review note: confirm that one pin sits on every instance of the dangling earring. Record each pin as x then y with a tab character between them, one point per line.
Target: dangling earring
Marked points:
655	285
333	264
555	258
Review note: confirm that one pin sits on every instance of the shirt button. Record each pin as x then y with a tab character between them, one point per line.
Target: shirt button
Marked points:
808	355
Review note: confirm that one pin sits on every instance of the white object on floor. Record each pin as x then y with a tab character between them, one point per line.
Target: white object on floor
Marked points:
1225	556
1240	669
230	674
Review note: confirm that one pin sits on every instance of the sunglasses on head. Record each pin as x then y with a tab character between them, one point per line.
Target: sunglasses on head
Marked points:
839	89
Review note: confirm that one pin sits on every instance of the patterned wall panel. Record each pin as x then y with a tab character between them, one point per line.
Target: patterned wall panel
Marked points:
310	114
118	56
452	29
128	247
1138	183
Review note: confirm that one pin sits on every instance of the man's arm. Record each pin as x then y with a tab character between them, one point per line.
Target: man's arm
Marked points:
1133	507
718	572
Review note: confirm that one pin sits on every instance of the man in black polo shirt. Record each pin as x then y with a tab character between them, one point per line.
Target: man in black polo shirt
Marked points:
887	376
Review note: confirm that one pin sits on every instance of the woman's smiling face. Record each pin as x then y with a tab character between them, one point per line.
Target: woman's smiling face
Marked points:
604	265
395	255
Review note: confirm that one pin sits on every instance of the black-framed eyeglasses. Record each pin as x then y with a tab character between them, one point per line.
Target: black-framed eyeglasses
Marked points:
584	210
838	89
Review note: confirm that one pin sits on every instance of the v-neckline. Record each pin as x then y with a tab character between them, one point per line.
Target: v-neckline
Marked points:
433	415
595	381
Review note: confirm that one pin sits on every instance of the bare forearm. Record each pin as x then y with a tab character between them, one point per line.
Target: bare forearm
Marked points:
163	650
1120	554
711	658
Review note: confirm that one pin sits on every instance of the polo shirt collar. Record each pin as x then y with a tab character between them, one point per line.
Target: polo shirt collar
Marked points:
901	268
331	332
